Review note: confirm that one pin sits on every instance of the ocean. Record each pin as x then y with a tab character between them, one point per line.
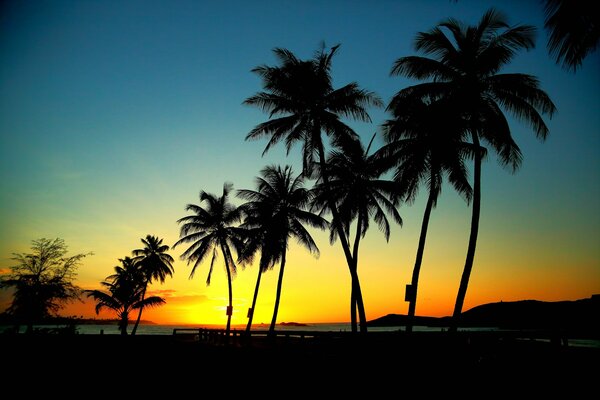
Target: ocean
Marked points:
156	329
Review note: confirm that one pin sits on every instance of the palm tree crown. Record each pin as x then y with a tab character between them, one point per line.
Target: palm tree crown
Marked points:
301	94
153	259
574	28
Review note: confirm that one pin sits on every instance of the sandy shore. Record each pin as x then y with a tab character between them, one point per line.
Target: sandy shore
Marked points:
382	365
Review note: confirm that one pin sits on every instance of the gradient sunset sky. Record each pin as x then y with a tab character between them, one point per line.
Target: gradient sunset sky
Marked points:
115	114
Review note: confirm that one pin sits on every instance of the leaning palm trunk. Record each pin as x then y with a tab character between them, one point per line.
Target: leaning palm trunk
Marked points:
464	280
278	296
354	300
412	305
230	307
251	311
355	291
139	317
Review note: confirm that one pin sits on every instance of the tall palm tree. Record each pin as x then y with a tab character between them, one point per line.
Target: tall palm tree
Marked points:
302	104
424	142
154	264
574	30
210	228
463	68
124	293
358	193
276	212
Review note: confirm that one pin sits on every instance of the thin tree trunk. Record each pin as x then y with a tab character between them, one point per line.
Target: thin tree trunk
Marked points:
278	295
230	308
355	291
356	283
139	317
412	305
464	280
353	307
249	325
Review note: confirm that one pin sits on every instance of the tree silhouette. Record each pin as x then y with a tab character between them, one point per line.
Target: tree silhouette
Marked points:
464	69
302	104
43	281
574	30
424	142
211	227
124	293
358	192
154	264
274	213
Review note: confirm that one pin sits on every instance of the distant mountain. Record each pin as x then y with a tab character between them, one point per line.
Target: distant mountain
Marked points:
581	314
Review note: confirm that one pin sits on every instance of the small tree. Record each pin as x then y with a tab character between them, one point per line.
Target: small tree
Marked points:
42	281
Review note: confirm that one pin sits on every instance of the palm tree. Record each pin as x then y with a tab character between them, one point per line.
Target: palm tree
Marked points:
424	143
212	227
124	293
154	264
358	193
302	103
574	29
464	69
276	212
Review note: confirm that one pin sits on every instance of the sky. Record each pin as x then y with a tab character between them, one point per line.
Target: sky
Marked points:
115	114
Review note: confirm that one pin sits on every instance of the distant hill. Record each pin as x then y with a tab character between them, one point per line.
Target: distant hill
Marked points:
581	314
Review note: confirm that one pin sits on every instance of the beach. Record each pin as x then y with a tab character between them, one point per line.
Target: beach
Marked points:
382	363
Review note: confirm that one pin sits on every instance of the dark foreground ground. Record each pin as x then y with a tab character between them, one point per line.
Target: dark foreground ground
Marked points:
107	366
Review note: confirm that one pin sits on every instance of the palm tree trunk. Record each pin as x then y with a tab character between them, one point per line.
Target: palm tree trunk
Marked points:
355	292
353	307
412	305
230	308
139	317
251	315
355	282
464	280
124	322
278	295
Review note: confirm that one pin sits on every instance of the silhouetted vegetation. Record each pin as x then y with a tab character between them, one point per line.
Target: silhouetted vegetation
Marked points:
574	30
154	264
463	69
125	289
274	213
303	104
425	144
210	228
42	281
358	192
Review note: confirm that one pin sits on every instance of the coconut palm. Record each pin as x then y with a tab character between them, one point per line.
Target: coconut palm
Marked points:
424	142
210	228
302	104
574	30
124	293
463	68
154	264
358	193
276	212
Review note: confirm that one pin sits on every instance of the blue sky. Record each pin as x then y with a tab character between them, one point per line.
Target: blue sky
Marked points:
114	114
